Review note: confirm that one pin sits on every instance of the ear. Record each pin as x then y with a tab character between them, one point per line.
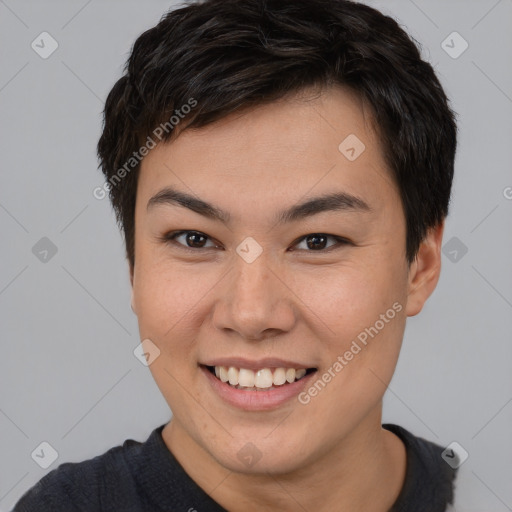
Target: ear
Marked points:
425	270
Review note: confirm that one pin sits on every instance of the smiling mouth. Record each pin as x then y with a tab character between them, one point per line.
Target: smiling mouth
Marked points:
260	380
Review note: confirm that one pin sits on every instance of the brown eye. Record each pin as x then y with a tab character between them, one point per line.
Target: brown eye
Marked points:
195	239
191	239
317	242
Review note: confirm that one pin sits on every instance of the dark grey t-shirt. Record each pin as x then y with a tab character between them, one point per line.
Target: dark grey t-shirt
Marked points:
145	477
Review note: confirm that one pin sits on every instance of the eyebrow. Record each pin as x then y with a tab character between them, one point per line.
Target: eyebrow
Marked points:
334	201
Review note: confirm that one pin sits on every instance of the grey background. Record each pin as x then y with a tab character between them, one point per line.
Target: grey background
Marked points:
67	369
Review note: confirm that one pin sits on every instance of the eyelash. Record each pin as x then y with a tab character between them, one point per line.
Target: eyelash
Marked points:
170	238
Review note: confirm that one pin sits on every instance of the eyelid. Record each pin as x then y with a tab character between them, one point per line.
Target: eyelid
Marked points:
171	238
341	241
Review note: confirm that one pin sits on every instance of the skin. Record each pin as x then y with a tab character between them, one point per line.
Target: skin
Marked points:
292	302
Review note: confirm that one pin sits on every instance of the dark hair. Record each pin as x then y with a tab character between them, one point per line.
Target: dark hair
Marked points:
220	56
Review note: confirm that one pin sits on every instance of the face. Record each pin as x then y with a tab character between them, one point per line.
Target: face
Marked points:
258	283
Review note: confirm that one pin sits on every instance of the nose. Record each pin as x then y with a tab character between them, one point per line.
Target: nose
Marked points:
255	301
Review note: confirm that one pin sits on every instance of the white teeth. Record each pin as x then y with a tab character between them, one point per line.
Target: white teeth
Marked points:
246	378
300	373
279	376
233	376
223	371
243	378
263	378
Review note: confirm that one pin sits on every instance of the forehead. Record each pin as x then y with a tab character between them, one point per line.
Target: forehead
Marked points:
312	141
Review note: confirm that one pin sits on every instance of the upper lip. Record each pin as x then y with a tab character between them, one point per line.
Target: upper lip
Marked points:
267	362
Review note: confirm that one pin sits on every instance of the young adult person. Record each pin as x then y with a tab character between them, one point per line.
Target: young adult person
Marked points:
281	171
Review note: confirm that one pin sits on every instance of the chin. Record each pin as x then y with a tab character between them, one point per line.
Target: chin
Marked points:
260	455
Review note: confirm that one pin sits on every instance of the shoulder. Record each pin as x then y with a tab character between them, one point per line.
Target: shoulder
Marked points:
429	481
100	483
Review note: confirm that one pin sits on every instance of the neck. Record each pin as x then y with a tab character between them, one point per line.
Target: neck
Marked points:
364	471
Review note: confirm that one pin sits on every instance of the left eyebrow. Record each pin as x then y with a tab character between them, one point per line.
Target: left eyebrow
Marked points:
335	201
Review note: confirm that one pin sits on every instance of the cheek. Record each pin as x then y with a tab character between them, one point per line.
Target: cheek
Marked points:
347	299
362	313
163	300
164	291
365	315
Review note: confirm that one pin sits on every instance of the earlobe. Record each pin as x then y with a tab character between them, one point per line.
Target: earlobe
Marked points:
425	270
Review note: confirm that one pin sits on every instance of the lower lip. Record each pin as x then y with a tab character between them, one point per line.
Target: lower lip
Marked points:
256	400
